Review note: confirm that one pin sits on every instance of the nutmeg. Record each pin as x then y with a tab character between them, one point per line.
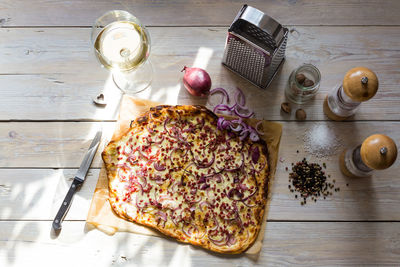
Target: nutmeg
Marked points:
300	78
308	83
286	107
301	114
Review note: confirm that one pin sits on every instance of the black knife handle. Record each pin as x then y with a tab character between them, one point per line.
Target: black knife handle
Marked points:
65	204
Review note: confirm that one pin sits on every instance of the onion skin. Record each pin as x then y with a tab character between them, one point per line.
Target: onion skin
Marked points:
196	81
255	154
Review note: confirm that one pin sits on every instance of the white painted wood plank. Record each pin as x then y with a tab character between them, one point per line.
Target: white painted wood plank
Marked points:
56	145
63	144
65	74
36	194
363	199
29	243
205	12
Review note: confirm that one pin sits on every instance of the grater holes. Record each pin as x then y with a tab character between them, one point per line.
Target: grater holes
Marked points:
245	60
261	35
277	58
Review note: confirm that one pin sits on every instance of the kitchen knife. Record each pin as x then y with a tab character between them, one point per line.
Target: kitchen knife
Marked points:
77	182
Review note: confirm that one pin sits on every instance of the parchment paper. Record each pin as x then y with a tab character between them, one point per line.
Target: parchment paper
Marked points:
102	216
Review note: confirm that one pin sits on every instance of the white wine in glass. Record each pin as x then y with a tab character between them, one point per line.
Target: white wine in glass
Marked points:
122	45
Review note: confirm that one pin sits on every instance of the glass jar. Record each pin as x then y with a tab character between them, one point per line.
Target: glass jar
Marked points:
303	84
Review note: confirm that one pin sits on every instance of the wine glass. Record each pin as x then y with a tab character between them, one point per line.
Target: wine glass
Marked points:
122	45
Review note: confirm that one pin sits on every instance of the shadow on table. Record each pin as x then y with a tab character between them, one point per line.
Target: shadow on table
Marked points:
361	188
19	194
168	252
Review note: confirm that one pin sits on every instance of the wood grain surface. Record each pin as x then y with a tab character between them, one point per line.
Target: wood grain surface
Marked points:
54	69
287	244
200	13
63	144
36	194
48	76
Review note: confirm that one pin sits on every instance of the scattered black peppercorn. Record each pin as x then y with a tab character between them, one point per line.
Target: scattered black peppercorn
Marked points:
310	181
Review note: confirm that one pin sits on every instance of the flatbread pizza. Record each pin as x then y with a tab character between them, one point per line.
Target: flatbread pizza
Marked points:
176	172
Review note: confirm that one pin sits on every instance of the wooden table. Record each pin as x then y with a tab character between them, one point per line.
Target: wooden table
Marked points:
48	75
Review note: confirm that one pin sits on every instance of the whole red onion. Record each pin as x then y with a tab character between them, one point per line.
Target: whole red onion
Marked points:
197	81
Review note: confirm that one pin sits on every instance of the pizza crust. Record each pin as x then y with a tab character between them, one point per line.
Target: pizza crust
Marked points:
243	236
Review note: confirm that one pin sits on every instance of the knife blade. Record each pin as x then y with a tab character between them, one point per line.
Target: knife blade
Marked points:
77	182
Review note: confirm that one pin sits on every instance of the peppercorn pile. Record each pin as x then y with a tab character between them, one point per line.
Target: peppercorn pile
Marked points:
310	181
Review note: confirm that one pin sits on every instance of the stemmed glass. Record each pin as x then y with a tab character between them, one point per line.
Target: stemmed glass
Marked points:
122	45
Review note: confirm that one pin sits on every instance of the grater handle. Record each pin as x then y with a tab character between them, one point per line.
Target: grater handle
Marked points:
237	16
260	20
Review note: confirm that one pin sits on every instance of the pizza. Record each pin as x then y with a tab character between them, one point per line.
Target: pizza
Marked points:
176	172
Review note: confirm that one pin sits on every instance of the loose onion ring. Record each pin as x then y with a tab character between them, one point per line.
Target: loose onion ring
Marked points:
224	93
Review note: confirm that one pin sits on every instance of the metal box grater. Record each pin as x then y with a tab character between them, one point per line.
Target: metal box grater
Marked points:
255	46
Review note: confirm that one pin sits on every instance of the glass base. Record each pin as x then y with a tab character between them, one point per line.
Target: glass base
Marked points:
135	81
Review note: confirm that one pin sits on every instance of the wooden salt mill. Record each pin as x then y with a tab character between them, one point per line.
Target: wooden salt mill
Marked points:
359	85
377	152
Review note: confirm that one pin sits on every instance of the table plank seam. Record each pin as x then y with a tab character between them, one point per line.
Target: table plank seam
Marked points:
198	26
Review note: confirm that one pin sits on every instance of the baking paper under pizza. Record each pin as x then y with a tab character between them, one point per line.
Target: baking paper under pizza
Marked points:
175	171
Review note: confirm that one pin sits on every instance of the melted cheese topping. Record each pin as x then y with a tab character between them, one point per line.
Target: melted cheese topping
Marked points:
188	176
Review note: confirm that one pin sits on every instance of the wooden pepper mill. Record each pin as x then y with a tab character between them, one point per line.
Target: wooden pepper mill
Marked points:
359	84
377	152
